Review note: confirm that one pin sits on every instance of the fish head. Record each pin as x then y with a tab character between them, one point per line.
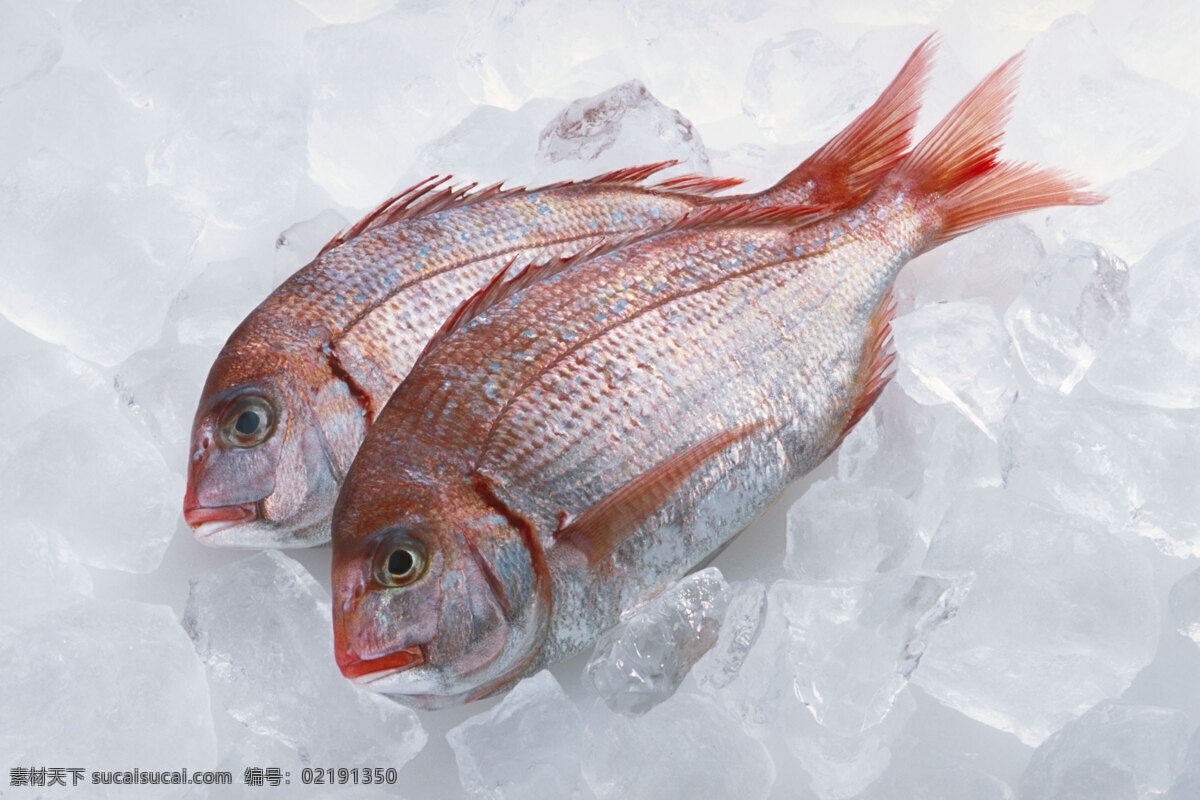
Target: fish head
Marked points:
434	604
263	470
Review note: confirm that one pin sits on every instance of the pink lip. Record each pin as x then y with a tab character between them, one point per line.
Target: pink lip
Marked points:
365	670
198	515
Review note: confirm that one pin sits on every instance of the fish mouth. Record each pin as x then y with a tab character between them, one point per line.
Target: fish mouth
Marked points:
364	671
207	520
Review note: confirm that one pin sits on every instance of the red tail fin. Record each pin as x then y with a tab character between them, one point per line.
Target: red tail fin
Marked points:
956	163
846	168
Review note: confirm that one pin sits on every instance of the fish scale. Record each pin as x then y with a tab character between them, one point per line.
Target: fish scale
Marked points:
620	418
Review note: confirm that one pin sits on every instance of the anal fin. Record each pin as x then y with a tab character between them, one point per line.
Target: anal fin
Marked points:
876	364
601	529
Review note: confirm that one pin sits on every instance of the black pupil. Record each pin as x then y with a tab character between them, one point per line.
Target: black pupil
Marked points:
247	423
400	563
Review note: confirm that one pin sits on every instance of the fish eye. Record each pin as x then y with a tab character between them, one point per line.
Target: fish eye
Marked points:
401	565
248	423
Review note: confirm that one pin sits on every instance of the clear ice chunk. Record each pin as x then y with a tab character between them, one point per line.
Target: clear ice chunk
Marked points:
1140	208
803	87
1065	313
846	532
1129	468
107	685
641	662
88	474
36	570
621	127
1153	358
212	305
854	647
1113	752
1184	603
916	774
993	262
361	131
94	255
957	353
685	747
1061	614
300	243
261	627
739	631
527	747
1063	114
491	145
31	41
1187	781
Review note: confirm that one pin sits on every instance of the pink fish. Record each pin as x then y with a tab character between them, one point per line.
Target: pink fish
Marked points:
297	386
571	445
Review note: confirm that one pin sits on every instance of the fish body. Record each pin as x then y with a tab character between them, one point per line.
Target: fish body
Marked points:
581	443
298	384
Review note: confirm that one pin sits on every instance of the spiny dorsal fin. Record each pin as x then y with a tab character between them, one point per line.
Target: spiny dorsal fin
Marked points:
500	287
601	529
697	184
432	195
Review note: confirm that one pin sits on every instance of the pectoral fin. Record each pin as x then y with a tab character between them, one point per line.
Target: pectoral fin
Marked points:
601	529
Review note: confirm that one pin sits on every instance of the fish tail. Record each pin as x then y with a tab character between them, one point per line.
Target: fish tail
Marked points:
957	165
847	167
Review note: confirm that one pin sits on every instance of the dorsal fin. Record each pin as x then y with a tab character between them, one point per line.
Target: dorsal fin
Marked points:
601	529
432	195
500	287
698	184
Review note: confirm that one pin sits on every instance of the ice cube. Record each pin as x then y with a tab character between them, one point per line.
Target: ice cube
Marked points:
31	40
94	255
86	473
1154	358
739	631
261	627
802	86
1061	614
1139	210
846	532
994	262
527	746
106	685
1065	312
38	571
827	677
212	305
839	766
341	12
623	126
854	647
683	748
491	145
1113	752
1187	782
1063	113
1154	37
641	662
957	353
916	773
363	133
1129	468
1184	601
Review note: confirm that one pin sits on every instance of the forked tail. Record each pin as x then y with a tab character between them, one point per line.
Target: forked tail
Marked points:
846	168
956	164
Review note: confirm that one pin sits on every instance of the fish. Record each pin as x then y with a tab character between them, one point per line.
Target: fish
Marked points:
299	382
569	448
